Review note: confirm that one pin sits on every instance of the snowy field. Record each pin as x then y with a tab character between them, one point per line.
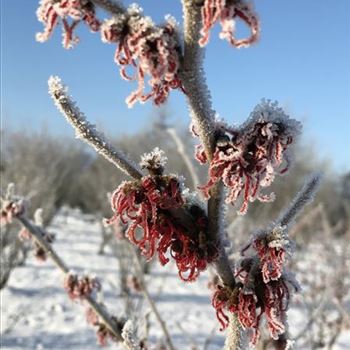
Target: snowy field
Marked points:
37	314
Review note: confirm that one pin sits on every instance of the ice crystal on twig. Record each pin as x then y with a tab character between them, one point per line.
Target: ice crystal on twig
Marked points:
154	161
226	12
86	131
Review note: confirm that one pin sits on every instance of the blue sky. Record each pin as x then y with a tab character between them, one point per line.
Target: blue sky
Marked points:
302	60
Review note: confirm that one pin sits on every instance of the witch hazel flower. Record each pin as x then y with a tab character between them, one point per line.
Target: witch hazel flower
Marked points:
50	12
103	334
226	12
78	288
252	298
149	49
145	206
273	249
247	158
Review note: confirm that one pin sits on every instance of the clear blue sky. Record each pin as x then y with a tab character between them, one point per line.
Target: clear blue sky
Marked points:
302	60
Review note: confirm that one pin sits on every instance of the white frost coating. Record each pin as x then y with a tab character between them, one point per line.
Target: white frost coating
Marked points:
129	336
156	159
268	111
38	217
236	337
86	131
303	198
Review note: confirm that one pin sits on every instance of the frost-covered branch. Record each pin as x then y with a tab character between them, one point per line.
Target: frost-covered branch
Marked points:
304	197
87	132
112	6
193	77
37	234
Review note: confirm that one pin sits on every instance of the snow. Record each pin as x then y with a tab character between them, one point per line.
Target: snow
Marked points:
37	313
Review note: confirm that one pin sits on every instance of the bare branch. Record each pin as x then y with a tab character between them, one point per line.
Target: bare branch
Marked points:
304	197
87	132
181	149
38	236
193	77
112	6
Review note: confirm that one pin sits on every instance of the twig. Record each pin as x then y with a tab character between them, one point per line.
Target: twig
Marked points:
112	6
199	100
151	301
87	132
193	77
302	198
181	149
38	236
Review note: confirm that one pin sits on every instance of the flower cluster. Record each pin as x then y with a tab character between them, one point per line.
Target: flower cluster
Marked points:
51	11
39	252
102	331
10	209
246	159
146	204
151	50
78	288
273	248
225	12
263	287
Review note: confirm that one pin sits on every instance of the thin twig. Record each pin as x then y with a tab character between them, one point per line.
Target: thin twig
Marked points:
151	301
182	151
87	132
302	198
111	6
39	238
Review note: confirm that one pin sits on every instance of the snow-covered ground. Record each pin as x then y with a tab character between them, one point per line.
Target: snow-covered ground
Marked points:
37	314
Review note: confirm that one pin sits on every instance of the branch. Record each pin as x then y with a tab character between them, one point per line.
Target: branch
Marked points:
181	149
38	236
199	100
111	6
87	132
151	301
304	197
193	77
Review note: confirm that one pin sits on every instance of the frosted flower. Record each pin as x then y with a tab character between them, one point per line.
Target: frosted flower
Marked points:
247	159
273	248
102	332
226	12
80	287
149	49
51	11
11	209
145	204
154	161
251	299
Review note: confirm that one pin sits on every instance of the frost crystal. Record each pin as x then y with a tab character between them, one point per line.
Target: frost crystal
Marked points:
155	160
